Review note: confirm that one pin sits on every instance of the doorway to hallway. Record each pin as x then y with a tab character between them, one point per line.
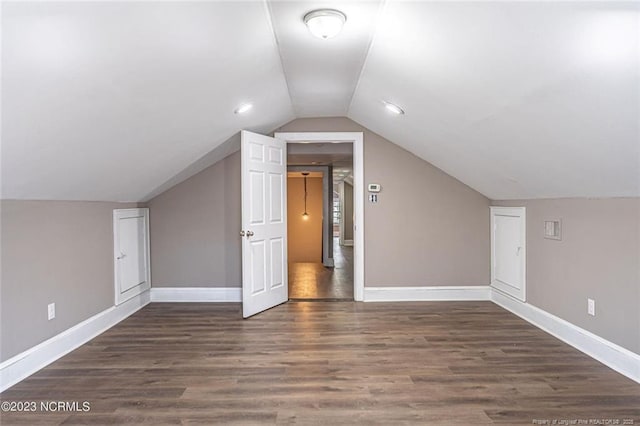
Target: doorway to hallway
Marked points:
264	196
320	221
300	149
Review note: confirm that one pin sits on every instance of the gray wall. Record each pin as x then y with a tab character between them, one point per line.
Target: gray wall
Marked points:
598	257
53	251
427	229
194	229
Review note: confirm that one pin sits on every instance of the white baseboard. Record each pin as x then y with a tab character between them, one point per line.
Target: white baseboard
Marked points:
616	357
30	361
196	294
442	293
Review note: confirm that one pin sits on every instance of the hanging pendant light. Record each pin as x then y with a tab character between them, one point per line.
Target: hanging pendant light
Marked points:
305	215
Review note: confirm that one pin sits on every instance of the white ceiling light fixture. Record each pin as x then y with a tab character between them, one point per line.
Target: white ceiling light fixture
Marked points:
393	108
243	108
325	23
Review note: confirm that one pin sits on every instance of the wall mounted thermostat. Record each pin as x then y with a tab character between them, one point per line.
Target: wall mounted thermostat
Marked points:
374	187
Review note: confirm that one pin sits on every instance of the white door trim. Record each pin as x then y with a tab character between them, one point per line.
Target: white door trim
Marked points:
495	283
120	297
357	139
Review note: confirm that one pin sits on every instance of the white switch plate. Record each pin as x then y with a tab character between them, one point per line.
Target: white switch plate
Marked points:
51	311
591	307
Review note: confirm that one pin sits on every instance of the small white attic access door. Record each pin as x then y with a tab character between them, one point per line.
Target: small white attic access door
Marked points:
264	223
508	251
131	253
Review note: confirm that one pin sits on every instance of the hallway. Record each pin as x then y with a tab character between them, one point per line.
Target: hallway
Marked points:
313	281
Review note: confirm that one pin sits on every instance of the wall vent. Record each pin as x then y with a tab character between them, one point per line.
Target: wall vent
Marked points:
553	229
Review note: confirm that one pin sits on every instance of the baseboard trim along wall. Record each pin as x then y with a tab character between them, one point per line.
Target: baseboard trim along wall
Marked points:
196	294
441	293
24	364
615	357
30	361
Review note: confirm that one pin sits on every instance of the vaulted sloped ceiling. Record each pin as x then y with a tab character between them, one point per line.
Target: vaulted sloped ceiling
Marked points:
323	74
107	101
113	100
516	99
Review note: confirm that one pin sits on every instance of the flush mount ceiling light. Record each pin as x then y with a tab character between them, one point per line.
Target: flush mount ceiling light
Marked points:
325	23
393	108
243	108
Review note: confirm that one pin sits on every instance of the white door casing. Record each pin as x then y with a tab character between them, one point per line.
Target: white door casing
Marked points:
264	223
508	250
132	269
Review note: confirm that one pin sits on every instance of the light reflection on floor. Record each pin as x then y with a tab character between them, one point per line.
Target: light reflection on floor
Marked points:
314	281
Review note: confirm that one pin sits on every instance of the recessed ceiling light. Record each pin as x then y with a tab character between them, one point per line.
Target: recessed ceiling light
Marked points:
393	108
325	23
243	108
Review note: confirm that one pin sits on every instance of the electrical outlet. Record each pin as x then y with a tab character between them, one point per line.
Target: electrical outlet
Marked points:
51	311
591	307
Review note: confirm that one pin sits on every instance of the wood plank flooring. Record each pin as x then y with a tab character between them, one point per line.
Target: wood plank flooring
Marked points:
310	281
462	363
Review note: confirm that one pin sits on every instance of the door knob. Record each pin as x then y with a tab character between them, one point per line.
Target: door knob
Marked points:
249	233
242	233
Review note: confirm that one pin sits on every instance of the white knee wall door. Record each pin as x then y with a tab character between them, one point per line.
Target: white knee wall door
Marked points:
508	251
131	253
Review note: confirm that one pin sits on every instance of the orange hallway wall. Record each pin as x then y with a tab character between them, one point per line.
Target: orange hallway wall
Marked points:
304	236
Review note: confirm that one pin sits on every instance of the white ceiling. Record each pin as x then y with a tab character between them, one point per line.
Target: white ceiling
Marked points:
515	99
322	74
116	100
107	101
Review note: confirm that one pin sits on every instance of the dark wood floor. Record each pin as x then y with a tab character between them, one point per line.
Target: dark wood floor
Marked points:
460	363
312	281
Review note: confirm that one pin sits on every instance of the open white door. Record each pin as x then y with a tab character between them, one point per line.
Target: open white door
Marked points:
264	223
508	250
